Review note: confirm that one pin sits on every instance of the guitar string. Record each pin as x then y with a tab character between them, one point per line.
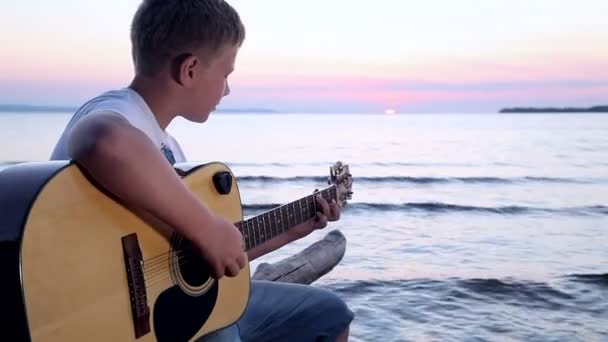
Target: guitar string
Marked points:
148	263
151	270
158	279
161	272
158	265
152	279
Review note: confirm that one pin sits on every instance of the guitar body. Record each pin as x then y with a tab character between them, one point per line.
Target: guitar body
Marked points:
72	259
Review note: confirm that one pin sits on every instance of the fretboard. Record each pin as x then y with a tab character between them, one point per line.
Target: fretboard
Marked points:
263	227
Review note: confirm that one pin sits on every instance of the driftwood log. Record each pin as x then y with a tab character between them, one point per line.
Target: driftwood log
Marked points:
310	264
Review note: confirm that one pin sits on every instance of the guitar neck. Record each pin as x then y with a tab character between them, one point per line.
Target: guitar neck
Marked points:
263	227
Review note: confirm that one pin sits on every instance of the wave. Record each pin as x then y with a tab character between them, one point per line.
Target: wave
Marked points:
368	164
434	207
450	308
421	180
596	279
507	290
392	179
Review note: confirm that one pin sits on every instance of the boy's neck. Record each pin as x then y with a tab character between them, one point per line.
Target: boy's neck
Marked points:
159	100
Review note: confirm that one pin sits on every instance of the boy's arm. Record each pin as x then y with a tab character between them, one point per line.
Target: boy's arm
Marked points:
123	160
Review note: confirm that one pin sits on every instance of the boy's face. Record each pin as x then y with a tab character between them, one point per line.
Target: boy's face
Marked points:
209	84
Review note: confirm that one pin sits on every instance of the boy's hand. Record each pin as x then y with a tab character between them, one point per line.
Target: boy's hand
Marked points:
328	212
222	246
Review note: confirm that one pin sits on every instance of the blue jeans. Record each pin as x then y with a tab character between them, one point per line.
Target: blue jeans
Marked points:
287	312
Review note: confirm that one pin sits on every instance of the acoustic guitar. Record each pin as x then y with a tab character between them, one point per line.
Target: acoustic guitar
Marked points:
77	265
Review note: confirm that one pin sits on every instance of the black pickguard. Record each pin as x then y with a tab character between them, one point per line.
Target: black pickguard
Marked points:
179	316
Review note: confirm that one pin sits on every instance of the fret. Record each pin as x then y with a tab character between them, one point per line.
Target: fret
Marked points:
261	232
267	229
305	211
312	206
244	228
261	229
274	224
241	226
255	233
250	235
298	212
268	224
292	217
309	212
309	206
286	216
296	217
282	220
306	208
294	213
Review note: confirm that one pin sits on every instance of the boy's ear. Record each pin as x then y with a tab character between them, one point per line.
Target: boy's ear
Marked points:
184	69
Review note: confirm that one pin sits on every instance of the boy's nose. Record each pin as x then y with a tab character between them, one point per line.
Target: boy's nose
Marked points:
226	89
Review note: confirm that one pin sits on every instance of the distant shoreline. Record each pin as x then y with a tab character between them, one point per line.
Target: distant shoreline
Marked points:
17	108
594	109
32	109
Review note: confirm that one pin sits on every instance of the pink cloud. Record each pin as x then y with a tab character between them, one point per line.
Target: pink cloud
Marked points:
516	66
487	85
375	89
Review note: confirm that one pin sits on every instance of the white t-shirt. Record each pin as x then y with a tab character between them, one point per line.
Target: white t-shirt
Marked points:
129	104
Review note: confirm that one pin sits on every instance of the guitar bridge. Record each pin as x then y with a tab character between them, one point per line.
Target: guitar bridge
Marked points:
137	285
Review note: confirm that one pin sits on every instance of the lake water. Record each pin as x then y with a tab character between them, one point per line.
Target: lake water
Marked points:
461	227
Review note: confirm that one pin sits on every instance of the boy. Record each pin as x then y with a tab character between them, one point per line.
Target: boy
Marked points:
183	52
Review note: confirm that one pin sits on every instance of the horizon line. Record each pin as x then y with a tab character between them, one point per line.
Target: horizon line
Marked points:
23	108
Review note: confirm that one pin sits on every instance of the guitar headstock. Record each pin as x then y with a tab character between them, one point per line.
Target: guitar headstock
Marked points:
340	177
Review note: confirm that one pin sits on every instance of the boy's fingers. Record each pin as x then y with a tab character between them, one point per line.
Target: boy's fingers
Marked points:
323	204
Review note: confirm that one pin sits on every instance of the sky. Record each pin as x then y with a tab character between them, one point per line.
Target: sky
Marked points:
460	56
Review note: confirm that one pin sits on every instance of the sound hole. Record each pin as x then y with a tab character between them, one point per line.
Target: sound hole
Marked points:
192	268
